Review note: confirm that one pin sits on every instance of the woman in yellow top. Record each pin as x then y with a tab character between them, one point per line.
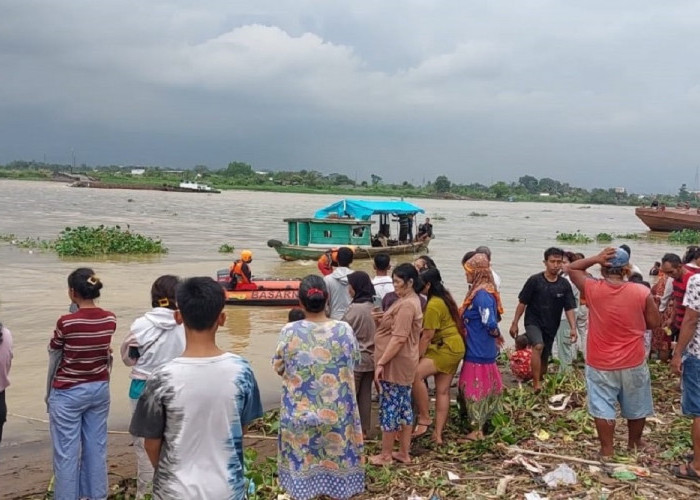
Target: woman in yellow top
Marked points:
441	350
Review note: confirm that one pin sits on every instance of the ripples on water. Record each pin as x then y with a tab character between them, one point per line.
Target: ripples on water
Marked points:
193	226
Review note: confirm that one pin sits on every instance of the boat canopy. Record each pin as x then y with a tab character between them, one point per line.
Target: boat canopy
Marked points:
364	209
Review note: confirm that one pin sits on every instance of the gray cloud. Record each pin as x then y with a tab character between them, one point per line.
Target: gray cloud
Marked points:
591	93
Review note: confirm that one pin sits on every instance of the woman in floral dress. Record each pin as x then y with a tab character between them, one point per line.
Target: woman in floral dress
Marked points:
480	382
320	437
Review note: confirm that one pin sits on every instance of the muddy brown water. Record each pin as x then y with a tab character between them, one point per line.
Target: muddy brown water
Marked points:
193	226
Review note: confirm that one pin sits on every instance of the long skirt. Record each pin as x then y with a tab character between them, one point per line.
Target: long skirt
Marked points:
479	395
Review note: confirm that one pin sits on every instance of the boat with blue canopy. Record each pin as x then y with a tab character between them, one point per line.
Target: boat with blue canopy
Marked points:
348	222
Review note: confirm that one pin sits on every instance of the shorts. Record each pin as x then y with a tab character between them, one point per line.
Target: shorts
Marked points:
690	399
536	335
395	408
630	387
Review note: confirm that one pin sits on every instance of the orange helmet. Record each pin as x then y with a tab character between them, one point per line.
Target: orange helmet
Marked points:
246	255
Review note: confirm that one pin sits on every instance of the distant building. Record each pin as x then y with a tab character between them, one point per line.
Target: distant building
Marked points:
138	171
544	194
620	190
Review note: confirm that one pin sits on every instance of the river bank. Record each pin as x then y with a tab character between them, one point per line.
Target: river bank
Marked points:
531	437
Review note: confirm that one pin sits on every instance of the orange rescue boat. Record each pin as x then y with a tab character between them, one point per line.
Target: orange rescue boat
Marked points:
261	292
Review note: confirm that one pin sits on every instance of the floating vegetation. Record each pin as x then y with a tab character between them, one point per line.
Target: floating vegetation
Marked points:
438	217
513	240
226	248
584	207
30	243
477	214
629	236
576	238
603	237
685	237
101	240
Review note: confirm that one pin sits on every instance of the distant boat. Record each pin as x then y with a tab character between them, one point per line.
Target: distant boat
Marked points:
184	187
348	223
194	186
669	219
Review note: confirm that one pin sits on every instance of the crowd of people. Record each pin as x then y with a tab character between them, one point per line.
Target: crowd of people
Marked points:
354	336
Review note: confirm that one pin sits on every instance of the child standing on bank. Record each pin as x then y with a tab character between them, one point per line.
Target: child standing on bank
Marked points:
195	408
520	360
154	339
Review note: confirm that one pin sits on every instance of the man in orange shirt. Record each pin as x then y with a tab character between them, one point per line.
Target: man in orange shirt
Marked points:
619	312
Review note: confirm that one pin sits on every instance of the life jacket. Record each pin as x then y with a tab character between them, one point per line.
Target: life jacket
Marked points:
326	261
237	270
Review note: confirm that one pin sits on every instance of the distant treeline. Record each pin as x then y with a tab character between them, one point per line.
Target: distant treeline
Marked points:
239	175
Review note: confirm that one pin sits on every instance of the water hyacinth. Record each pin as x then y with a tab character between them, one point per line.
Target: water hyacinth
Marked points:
86	241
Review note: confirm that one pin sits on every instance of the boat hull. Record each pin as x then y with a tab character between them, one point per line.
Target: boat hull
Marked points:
266	292
670	219
296	252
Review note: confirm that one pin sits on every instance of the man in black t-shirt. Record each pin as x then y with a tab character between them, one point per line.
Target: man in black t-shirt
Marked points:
543	298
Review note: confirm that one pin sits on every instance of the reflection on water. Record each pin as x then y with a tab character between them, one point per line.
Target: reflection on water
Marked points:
193	226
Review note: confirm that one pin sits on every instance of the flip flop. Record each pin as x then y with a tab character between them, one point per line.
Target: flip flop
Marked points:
689	473
419	425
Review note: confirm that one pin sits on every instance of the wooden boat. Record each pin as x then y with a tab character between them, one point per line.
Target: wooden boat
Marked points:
669	219
348	223
262	292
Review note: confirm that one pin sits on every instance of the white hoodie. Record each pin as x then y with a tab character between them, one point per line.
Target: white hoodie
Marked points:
158	338
338	296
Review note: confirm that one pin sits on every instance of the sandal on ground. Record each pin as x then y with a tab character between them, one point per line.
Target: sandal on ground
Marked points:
689	473
421	428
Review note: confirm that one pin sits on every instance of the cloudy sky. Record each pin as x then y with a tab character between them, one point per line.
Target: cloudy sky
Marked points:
595	93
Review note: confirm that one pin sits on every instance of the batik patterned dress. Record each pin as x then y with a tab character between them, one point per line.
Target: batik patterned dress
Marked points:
320	437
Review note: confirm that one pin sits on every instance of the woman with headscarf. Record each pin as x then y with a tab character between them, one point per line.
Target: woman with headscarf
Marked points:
441	349
480	382
359	317
320	436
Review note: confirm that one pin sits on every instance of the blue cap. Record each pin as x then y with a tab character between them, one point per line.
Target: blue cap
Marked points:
621	258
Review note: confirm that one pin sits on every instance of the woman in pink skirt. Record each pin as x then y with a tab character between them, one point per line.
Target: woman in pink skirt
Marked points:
480	381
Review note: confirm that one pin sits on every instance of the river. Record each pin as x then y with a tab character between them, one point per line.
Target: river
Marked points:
193	226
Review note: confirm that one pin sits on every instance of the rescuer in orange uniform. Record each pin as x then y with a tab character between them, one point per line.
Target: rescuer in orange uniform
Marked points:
240	270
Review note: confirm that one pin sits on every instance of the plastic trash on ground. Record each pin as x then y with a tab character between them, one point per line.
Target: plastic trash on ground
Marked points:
558	402
452	476
533	495
561	475
415	496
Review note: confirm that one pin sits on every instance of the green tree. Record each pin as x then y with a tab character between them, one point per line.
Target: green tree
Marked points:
499	190
442	184
683	194
375	179
238	169
530	183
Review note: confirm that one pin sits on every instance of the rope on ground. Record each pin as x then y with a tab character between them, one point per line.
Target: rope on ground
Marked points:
44	421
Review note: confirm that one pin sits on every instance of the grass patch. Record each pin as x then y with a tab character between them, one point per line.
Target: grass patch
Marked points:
477	214
685	237
577	238
85	241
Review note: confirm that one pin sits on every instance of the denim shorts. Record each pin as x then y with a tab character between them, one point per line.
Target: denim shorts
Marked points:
630	387
690	400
